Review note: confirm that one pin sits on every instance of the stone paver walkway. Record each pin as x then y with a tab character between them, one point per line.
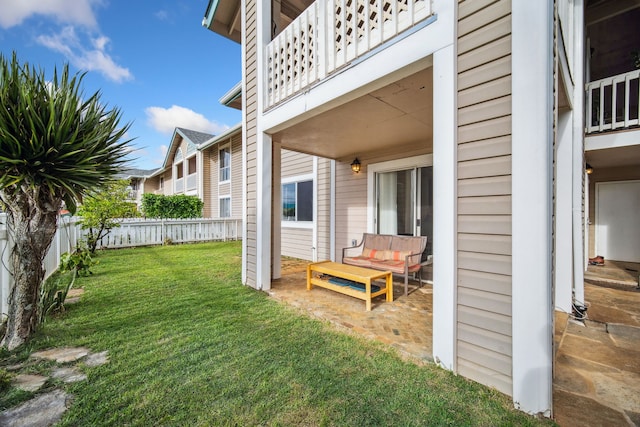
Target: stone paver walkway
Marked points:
47	409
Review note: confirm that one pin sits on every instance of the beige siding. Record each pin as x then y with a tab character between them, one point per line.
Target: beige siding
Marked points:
351	206
484	193
236	175
324	209
351	191
295	164
206	183
251	90
296	243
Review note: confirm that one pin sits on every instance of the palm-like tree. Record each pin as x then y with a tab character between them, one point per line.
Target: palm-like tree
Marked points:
54	147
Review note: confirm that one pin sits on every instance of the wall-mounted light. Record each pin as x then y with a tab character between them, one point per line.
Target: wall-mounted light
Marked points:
355	165
589	169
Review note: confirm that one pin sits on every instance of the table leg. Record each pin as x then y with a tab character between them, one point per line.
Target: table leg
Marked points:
389	287
309	277
367	287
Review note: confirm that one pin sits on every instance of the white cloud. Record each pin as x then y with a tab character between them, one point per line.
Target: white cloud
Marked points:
163	150
165	120
78	12
95	58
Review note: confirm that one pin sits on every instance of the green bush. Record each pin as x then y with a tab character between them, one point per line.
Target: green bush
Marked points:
175	206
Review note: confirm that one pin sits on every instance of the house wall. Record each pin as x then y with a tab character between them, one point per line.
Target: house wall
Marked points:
206	178
484	328
295	240
308	241
351	214
323	217
624	173
236	175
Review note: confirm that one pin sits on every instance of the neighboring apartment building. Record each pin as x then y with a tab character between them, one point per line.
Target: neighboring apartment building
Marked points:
203	165
467	118
137	179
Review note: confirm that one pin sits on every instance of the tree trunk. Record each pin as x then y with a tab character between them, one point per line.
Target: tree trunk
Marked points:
32	230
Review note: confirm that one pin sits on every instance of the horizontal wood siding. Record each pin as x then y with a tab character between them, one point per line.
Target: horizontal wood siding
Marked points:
251	91
484	245
295	164
207	197
296	243
236	175
351	205
323	221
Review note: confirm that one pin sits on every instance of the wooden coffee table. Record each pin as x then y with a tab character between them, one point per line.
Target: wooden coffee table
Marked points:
318	274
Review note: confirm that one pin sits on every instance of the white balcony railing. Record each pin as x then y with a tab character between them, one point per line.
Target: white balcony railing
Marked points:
330	34
192	181
612	103
179	185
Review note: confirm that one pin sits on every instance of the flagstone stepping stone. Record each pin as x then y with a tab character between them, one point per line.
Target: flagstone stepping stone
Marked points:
28	382
62	355
68	375
73	296
97	359
42	411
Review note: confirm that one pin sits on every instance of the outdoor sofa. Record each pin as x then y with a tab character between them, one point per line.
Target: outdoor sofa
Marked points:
388	252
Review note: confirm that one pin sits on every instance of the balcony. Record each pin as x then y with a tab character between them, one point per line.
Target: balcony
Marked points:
179	185
612	103
329	35
192	181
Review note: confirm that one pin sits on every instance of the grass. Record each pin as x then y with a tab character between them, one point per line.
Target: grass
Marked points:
189	345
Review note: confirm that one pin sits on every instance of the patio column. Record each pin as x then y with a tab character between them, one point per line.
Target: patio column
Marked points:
276	224
532	174
445	207
580	206
264	155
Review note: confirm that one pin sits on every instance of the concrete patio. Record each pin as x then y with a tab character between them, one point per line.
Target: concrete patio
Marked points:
597	366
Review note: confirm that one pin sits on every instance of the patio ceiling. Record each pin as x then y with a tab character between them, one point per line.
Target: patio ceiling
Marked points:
614	157
397	115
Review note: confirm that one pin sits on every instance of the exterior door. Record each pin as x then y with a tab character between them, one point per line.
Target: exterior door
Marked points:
618	220
404	203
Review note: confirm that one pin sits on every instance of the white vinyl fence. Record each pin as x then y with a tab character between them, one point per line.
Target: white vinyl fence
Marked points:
132	232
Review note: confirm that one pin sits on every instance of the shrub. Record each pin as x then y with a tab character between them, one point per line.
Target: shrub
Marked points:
175	206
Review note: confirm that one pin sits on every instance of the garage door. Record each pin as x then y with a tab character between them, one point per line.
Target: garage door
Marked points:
618	220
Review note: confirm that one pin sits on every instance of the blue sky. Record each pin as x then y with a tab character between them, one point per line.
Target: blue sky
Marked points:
152	59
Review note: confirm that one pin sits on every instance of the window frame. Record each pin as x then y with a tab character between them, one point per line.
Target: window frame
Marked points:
220	199
296	223
223	169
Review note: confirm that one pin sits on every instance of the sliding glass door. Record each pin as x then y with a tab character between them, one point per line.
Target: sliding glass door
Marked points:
404	202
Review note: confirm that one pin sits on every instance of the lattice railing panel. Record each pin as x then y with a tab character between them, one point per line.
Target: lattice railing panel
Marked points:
330	34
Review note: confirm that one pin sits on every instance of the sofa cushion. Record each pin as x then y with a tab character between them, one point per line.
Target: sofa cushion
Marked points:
397	255
373	253
393	266
360	261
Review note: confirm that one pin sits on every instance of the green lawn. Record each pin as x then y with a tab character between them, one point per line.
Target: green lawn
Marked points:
189	345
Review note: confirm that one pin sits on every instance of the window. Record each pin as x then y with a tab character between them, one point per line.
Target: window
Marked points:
192	165
161	182
297	201
225	164
225	207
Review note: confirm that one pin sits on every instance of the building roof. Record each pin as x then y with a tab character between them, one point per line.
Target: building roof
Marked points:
195	136
129	173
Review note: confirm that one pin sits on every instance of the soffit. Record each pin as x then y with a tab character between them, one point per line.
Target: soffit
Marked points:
398	114
614	157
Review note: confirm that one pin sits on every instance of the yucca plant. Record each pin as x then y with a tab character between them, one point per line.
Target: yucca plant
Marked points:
55	145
